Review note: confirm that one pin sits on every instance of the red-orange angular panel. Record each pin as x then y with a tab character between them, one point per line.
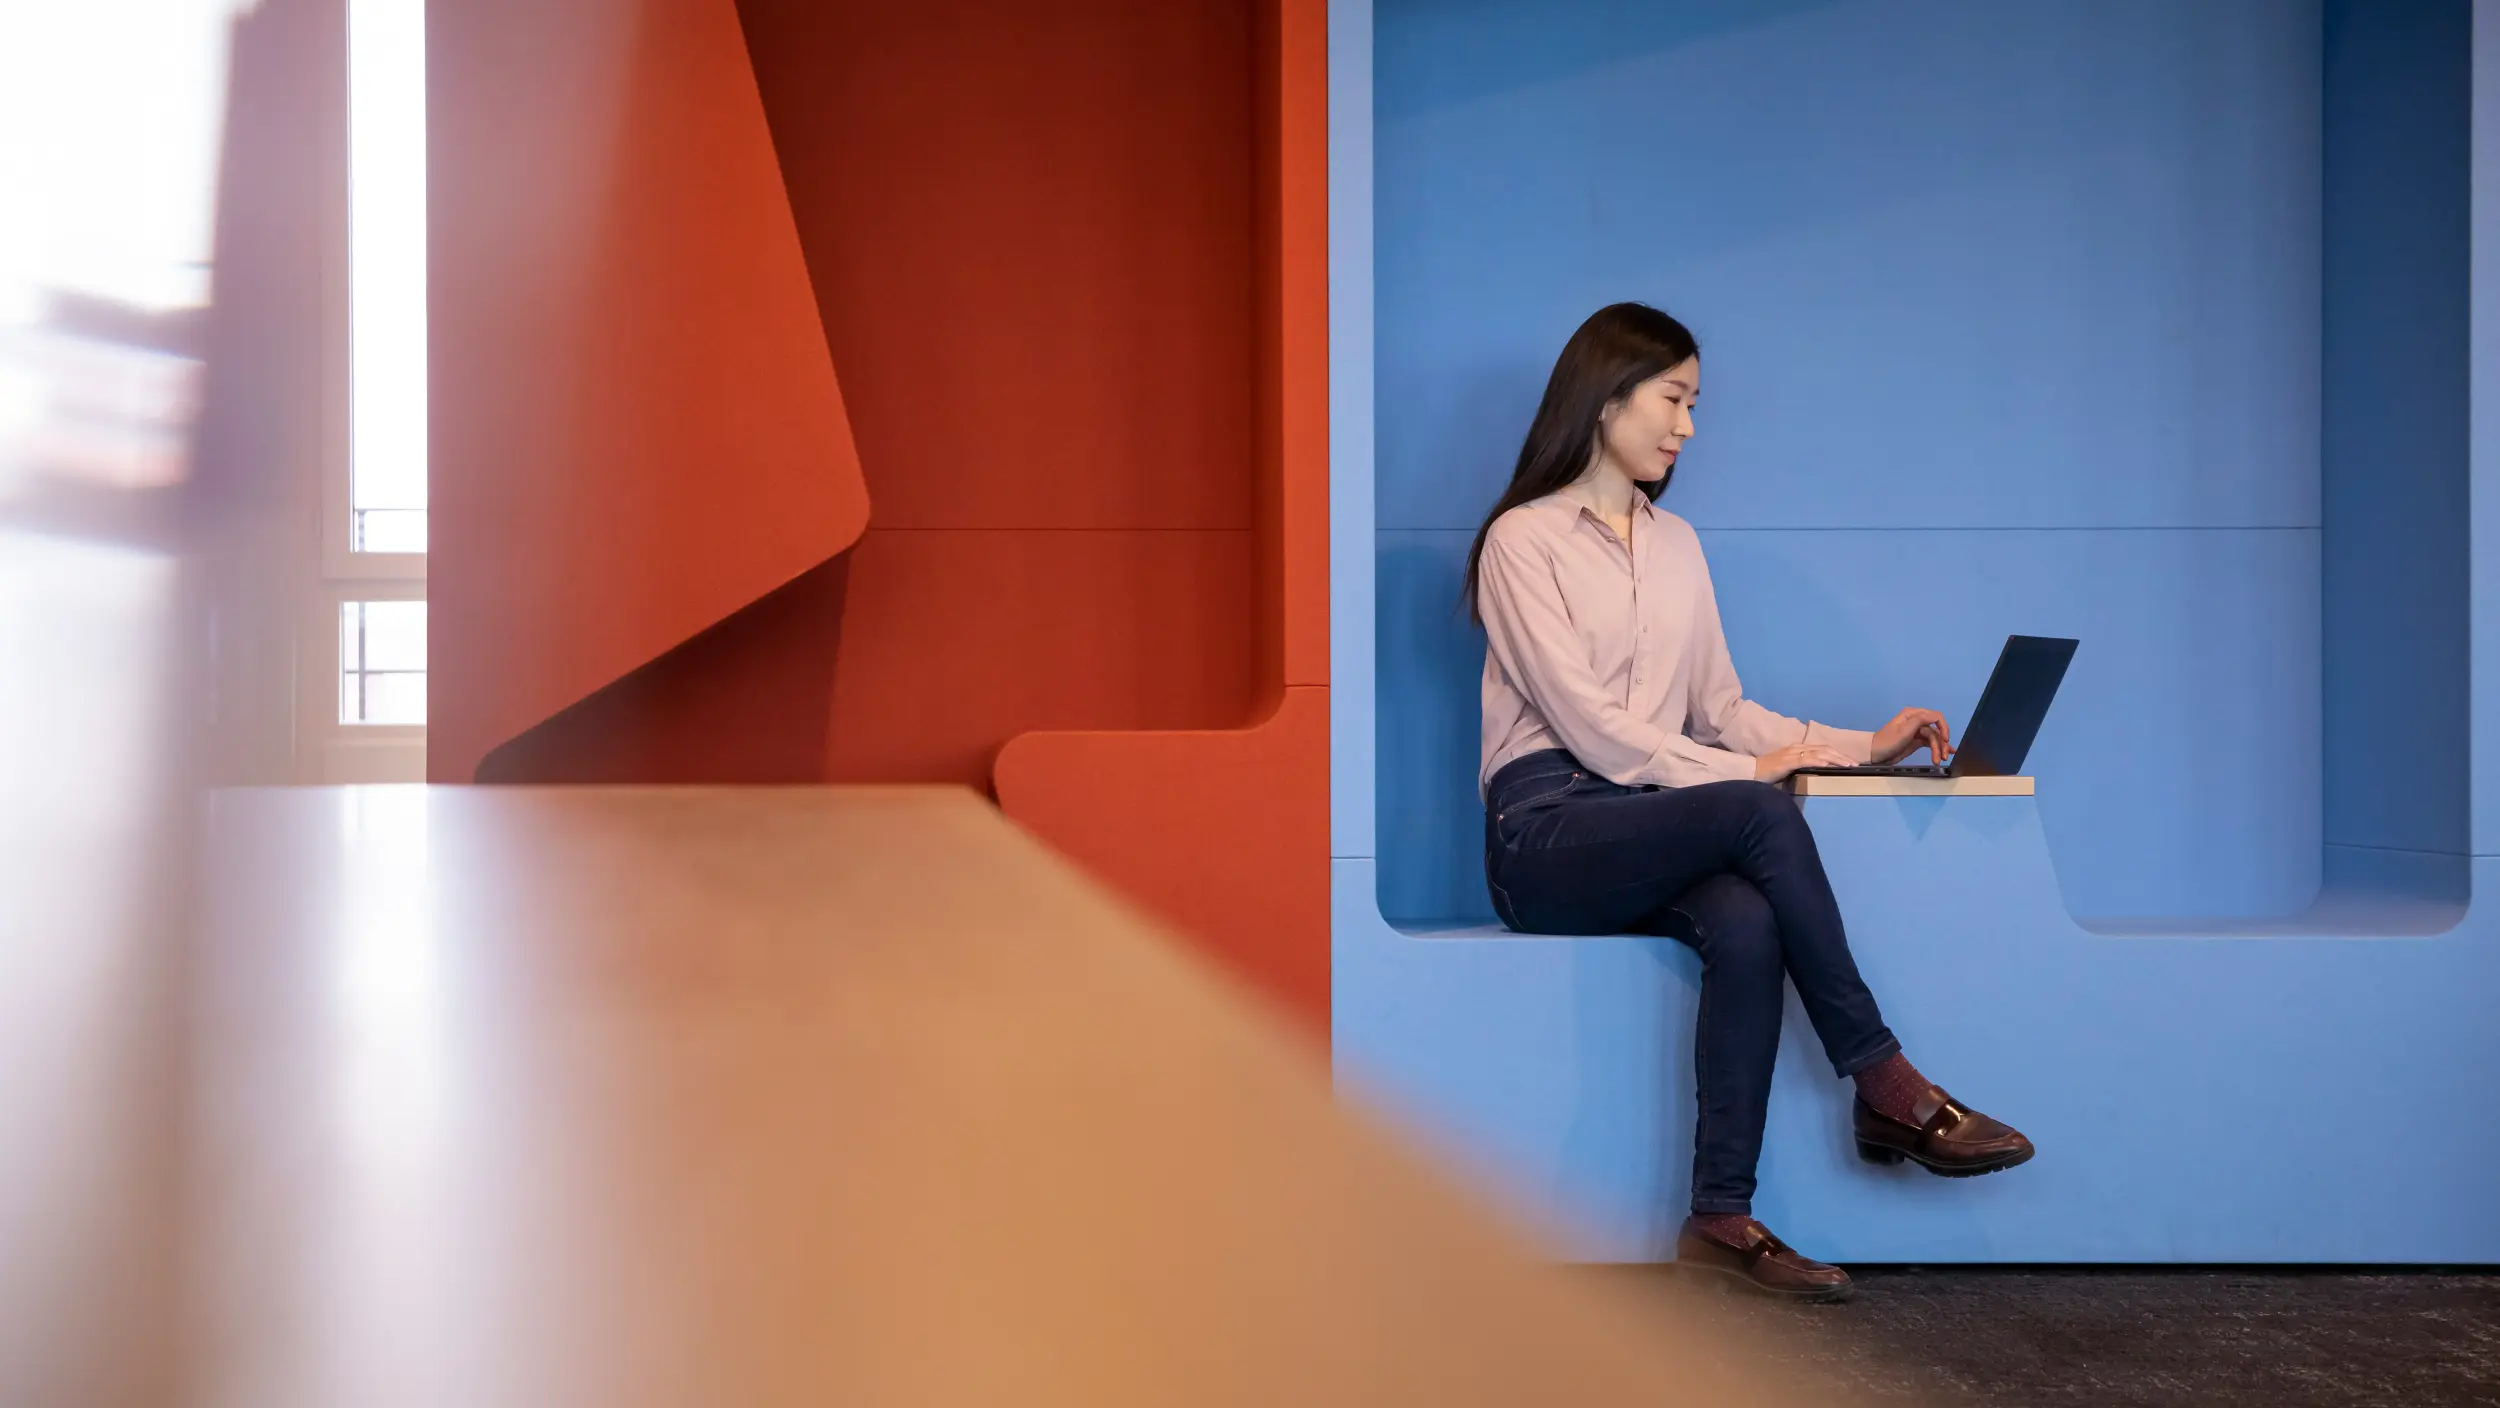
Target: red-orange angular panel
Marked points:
636	428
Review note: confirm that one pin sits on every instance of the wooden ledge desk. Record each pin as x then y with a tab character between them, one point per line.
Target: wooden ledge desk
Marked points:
767	1096
1824	786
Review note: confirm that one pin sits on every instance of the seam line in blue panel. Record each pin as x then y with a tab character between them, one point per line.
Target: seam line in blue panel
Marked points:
2395	850
1967	528
2046	528
906	528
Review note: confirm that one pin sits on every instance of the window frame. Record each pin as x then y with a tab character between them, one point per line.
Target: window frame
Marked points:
344	752
330	750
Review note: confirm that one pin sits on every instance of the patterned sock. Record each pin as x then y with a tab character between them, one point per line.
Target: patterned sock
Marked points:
1891	1086
1728	1227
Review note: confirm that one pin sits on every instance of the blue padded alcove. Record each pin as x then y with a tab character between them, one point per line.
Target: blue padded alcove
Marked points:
2139	322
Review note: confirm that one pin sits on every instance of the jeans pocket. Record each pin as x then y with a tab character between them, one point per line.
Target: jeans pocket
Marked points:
1541	798
1548	789
1509	826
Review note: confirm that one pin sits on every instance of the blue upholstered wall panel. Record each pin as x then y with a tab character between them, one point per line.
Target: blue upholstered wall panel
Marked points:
2180	531
2483	433
2394	411
1956	266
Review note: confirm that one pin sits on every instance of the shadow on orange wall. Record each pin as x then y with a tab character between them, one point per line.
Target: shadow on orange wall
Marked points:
744	702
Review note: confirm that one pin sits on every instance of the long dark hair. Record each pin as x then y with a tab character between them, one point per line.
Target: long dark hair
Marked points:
1619	347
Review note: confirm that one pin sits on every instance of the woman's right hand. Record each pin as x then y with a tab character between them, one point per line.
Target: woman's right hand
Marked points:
1776	765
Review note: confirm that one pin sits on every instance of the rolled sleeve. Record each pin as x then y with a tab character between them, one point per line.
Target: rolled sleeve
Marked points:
1858	745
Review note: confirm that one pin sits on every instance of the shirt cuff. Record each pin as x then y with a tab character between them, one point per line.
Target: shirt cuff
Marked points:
1858	745
1733	767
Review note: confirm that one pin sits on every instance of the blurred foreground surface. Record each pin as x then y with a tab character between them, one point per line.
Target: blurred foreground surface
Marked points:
640	1096
92	938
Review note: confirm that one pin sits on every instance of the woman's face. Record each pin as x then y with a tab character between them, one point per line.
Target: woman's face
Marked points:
1644	432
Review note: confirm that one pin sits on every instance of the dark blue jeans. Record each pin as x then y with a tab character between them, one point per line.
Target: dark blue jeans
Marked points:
1729	868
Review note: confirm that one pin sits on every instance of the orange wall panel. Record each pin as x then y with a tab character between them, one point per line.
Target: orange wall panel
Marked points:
635	425
1226	833
1030	236
1294	180
955	641
1223	834
1030	228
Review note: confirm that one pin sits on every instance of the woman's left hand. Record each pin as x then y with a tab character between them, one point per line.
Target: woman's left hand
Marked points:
1911	730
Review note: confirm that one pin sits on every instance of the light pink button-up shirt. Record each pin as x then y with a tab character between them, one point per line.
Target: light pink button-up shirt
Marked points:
1614	651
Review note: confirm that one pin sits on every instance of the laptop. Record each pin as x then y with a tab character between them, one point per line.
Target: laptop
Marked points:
2007	719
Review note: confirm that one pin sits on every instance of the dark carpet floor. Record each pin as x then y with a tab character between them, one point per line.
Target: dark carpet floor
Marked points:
2056	1336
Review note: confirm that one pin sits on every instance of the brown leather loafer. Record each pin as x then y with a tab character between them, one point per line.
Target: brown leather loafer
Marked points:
1763	1262
1943	1135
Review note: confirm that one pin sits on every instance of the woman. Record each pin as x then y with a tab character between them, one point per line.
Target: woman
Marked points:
1630	786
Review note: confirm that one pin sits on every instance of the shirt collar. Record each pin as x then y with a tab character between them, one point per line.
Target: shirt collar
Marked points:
1642	507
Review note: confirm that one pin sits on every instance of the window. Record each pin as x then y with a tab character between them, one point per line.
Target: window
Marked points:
381	662
368	626
386	277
